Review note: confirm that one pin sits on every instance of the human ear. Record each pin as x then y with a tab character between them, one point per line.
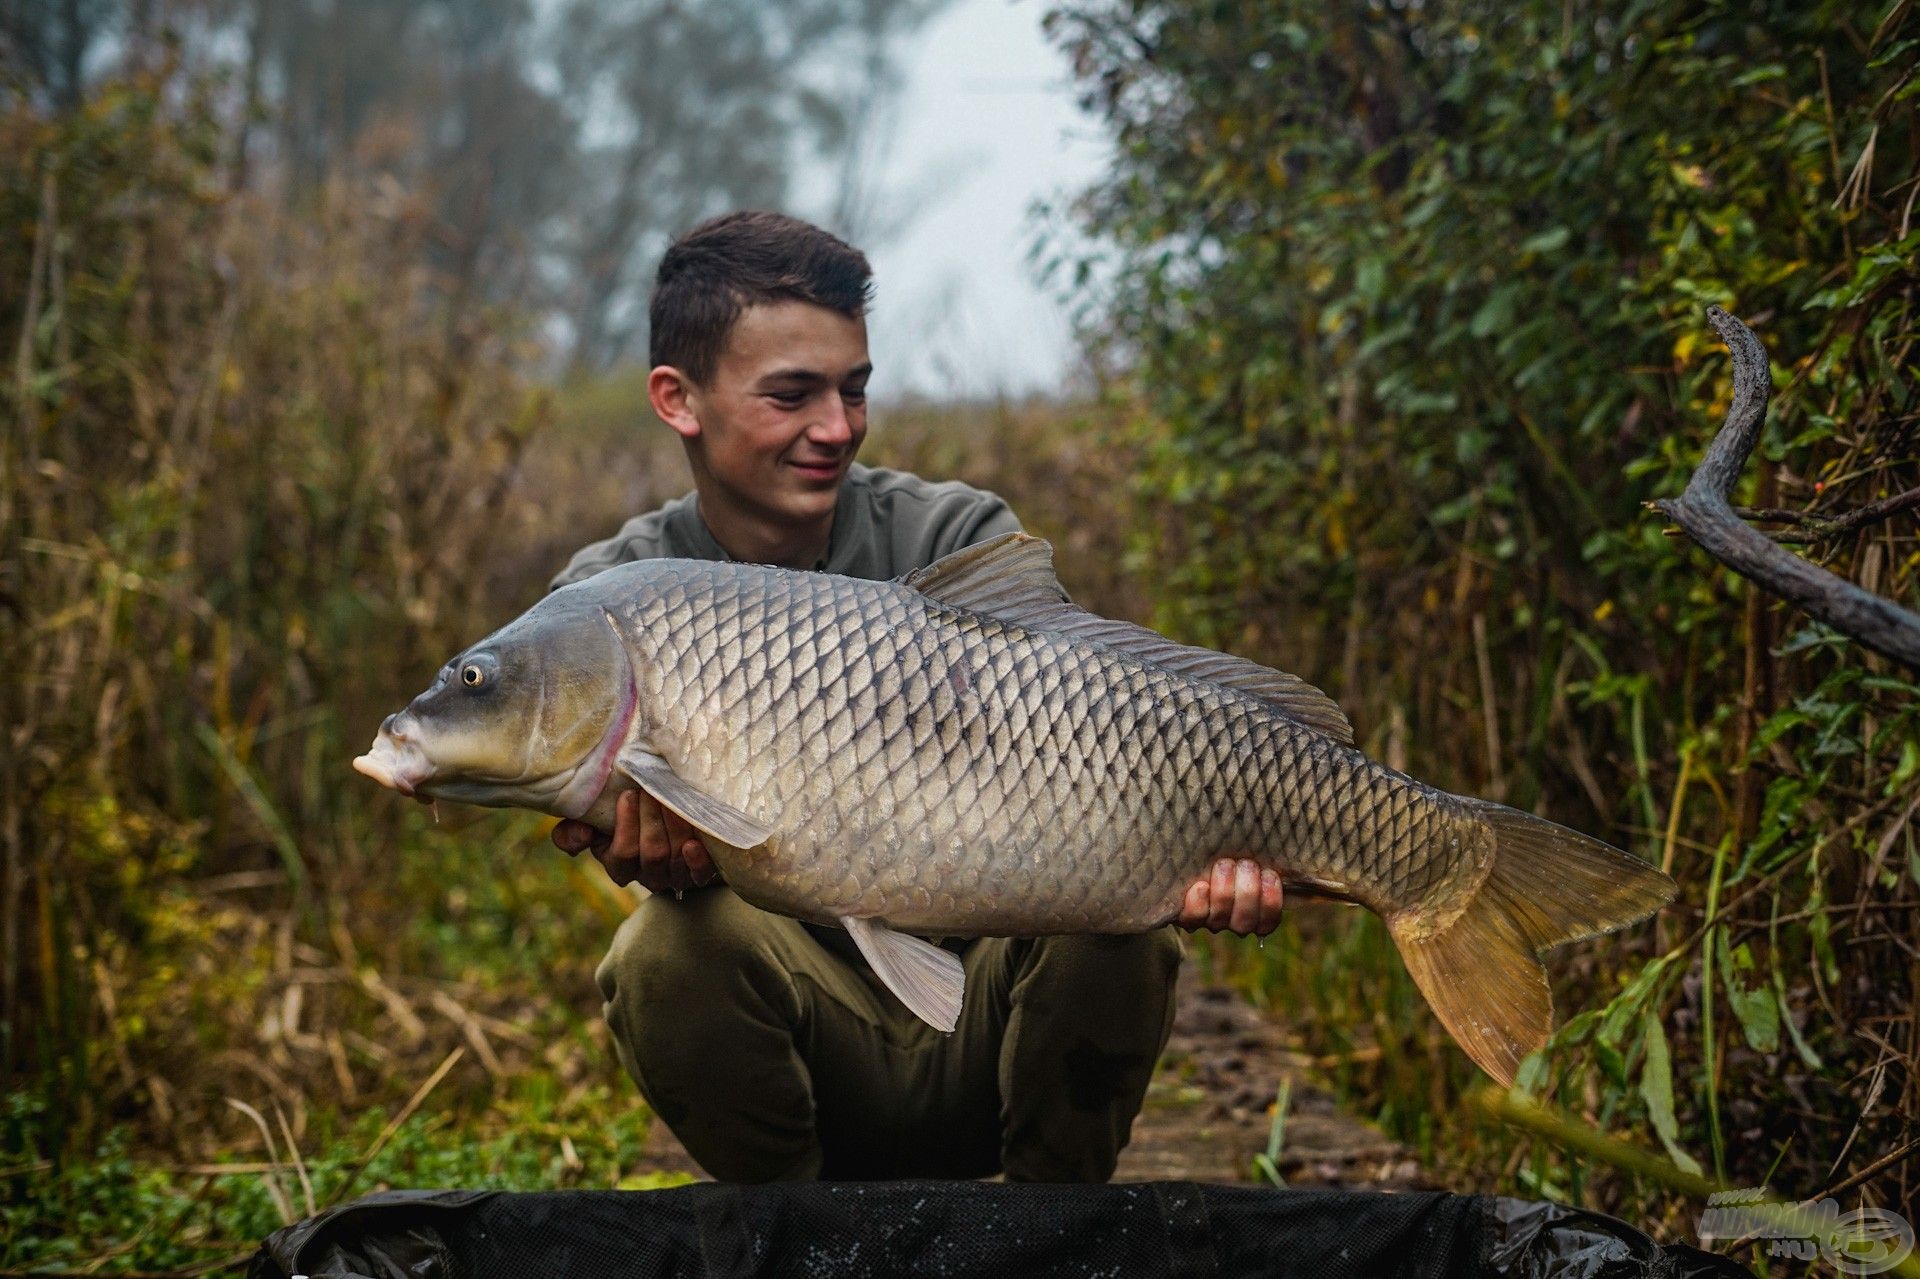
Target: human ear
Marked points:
672	394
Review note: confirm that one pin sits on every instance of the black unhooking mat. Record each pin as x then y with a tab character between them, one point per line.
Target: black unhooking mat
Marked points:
841	1230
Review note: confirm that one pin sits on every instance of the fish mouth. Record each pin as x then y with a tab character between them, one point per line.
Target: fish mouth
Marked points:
397	768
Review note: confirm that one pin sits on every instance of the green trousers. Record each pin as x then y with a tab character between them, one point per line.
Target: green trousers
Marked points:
772	1056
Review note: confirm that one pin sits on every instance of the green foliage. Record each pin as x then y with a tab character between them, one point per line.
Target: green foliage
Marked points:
1406	303
251	473
118	1212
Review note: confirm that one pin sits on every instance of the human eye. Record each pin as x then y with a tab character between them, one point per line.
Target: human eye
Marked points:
788	399
856	394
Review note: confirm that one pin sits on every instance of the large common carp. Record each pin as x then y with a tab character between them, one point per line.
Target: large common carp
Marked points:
964	752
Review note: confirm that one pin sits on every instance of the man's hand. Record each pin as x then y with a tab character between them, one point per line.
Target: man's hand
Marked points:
649	846
1239	897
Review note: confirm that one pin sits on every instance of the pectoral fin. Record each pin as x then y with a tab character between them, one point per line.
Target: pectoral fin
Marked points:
702	811
929	981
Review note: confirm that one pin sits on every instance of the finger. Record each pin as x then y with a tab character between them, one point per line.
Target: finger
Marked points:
573	838
1246	897
621	853
679	875
1271	899
700	868
620	872
1220	895
651	845
678	834
690	850
1193	908
679	829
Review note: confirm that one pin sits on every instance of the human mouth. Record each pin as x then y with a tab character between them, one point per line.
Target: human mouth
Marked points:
817	470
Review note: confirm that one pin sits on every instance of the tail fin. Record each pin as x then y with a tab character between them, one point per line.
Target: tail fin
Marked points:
1481	972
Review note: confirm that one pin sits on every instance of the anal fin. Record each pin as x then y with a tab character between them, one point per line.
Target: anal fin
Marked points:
930	981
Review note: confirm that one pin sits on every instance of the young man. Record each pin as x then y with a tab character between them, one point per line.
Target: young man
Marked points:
766	1044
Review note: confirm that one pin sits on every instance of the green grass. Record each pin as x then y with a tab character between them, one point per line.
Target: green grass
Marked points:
115	1210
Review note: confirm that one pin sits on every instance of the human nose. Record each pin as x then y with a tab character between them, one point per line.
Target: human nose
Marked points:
834	428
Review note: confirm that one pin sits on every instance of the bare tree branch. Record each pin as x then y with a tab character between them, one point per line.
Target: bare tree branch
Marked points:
1818	528
1704	512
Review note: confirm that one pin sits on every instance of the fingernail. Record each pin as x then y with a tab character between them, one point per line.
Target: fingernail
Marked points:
1269	879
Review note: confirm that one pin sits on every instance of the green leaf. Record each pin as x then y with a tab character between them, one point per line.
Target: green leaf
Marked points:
1495	314
1612	1061
1757	1008
1800	1045
1546	241
1532	1078
1656	1089
1904	771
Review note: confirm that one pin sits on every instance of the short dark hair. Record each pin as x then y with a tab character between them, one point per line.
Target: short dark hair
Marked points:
729	263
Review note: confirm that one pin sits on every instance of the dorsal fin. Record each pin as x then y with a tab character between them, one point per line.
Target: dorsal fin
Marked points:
1009	576
1012	577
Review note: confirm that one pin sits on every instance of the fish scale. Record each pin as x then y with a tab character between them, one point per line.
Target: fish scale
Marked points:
1133	781
963	752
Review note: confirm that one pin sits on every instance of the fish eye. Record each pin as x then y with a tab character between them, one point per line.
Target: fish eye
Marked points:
472	676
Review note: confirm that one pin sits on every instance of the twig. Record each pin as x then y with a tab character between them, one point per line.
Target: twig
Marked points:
1873	1169
398	1008
293	1152
272	1178
476	1038
1703	511
394	1125
1820	528
1823	526
1489	708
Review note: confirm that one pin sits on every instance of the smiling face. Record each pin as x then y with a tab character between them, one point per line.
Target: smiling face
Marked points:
772	432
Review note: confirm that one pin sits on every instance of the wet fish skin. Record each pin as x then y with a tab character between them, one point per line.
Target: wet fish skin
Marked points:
955	773
962	752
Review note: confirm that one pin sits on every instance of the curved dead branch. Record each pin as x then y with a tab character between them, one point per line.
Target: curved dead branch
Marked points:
1705	513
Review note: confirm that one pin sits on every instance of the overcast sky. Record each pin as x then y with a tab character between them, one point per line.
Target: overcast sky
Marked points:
987	126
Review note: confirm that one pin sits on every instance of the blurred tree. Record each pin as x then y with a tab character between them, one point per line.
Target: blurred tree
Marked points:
686	111
557	147
45	44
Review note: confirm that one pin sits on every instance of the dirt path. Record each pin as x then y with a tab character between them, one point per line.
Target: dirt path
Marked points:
1209	1110
1210	1107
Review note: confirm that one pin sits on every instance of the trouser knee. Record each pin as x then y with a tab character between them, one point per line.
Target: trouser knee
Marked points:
707	945
681	975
